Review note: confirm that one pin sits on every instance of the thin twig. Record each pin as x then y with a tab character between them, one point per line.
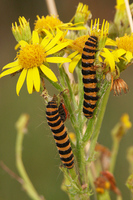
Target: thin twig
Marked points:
53	11
129	15
51	7
11	173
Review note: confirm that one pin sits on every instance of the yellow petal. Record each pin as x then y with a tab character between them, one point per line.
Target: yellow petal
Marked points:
74	62
57	60
110	59
36	79
21	81
119	52
29	81
35	37
72	55
45	41
48	33
110	42
54	40
23	43
10	71
48	72
58	48
129	56
10	65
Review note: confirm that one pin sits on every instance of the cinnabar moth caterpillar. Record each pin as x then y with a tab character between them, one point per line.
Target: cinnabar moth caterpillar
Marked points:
60	134
89	76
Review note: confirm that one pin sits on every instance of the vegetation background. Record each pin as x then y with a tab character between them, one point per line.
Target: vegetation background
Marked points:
40	156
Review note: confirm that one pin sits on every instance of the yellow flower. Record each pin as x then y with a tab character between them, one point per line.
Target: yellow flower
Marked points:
78	44
23	31
33	58
82	13
120	5
52	22
125	43
125	121
48	22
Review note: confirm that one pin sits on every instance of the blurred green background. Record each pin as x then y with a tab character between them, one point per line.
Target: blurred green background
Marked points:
40	156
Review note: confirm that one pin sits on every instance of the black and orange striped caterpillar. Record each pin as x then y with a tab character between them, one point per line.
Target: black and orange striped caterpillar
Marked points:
89	76
58	129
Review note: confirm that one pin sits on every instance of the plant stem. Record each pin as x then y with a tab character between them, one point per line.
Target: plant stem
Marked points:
21	126
70	89
129	15
52	7
114	151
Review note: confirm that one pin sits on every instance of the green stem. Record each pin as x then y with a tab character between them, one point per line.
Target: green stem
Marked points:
81	119
70	89
21	127
104	196
99	118
55	84
114	153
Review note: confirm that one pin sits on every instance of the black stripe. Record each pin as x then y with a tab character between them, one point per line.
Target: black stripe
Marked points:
87	97
87	72
63	144
67	159
51	104
93	38
91	44
88	90
70	165
52	118
89	105
89	50
52	112
91	57
60	137
85	111
55	124
58	130
65	152
89	80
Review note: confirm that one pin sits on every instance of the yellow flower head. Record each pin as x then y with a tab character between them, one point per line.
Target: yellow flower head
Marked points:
125	42
48	22
51	23
82	13
120	5
34	57
21	32
78	44
125	121
96	31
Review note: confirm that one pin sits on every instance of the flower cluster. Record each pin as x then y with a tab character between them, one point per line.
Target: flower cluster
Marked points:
51	39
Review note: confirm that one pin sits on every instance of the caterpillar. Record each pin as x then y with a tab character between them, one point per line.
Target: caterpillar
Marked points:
60	134
89	77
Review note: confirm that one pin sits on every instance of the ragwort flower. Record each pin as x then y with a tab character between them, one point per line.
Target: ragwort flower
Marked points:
34	57
78	43
23	31
51	23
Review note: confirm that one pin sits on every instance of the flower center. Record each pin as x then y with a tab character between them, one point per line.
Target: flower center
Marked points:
125	42
32	55
79	43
